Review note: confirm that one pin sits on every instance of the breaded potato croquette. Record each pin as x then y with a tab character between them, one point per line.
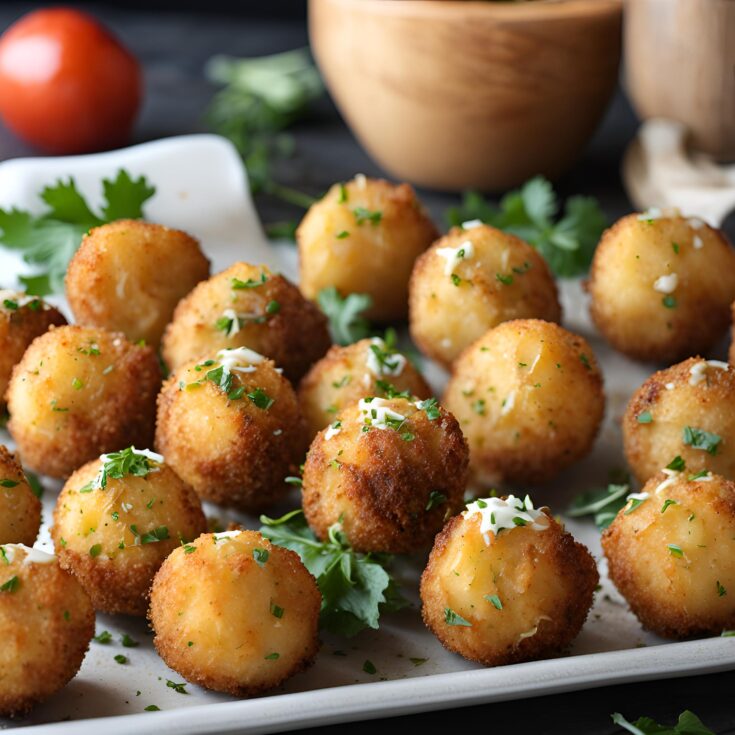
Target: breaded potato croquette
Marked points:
20	509
671	553
686	410
506	583
127	276
47	622
661	286
230	426
22	319
234	613
389	471
79	392
363	237
117	519
528	396
370	367
472	280
248	306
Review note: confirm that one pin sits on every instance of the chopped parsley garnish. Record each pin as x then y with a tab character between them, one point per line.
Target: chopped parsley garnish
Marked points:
178	688
390	391
505	280
117	465
677	464
11	585
698	475
50	239
456	280
675	247
667	503
260	556
150	537
675	550
276	610
479	407
104	637
238	285
701	439
356	588
95	550
435	499
34	483
386	356
417	661
342	235
128	642
634	504
585	361
121	659
9	483
363	215
77	384
272	307
261	399
10	304
237	393
453	618
293	480
342	196
369	667
495	601
189	549
273	656
669	301
152	708
346	322
721	591
4	555
644	417
431	406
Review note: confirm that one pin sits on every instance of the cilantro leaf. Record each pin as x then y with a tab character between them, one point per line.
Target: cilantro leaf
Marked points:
346	323
688	724
603	504
529	212
51	239
356	588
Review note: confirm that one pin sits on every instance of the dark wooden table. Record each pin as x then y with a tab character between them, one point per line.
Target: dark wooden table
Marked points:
173	46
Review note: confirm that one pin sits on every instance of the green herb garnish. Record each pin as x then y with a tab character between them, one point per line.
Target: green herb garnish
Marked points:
346	323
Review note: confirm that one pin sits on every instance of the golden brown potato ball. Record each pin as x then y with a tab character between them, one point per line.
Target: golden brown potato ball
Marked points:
363	237
390	471
79	392
128	276
670	553
231	428
234	613
22	319
731	352
686	410
344	375
661	286
528	396
117	519
248	306
472	280
47	622
20	509
506	583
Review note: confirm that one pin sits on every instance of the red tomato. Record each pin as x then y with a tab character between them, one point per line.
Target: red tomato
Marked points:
67	85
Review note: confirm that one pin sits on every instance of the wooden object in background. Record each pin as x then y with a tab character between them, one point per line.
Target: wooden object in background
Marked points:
451	95
680	64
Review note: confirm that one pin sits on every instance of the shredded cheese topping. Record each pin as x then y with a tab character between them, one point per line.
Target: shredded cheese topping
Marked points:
33	555
392	363
698	371
497	514
377	414
454	256
666	284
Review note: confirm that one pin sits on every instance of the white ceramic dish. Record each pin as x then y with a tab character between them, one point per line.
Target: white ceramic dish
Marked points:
202	188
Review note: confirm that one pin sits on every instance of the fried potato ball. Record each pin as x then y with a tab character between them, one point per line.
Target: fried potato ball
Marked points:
47	622
22	319
248	306
687	410
363	237
231	428
20	509
390	471
79	392
661	286
671	553
506	583
117	519
128	276
472	280
528	396
344	375
234	613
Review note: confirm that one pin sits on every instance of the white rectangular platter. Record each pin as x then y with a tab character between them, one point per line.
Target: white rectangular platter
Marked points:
202	188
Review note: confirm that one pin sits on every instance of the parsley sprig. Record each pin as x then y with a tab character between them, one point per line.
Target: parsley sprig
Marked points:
117	465
356	588
49	240
603	504
530	213
688	724
346	321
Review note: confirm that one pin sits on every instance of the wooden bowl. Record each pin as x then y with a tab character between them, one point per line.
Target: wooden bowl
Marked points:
451	95
680	56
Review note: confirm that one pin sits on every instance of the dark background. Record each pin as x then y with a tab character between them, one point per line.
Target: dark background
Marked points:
173	41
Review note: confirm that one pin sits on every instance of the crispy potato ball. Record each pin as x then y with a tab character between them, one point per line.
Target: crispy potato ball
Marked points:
472	280
344	375
20	509
661	286
506	583
389	471
79	392
128	276
528	396
47	622
686	410
234	613
231	428
363	237
248	306
116	520
671	553
22	319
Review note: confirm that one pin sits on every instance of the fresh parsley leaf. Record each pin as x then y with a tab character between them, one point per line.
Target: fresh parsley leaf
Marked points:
104	637
11	585
121	464
453	618
603	504
261	399
688	724
701	439
346	323
121	659
128	642
178	688
568	243
356	588
50	240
